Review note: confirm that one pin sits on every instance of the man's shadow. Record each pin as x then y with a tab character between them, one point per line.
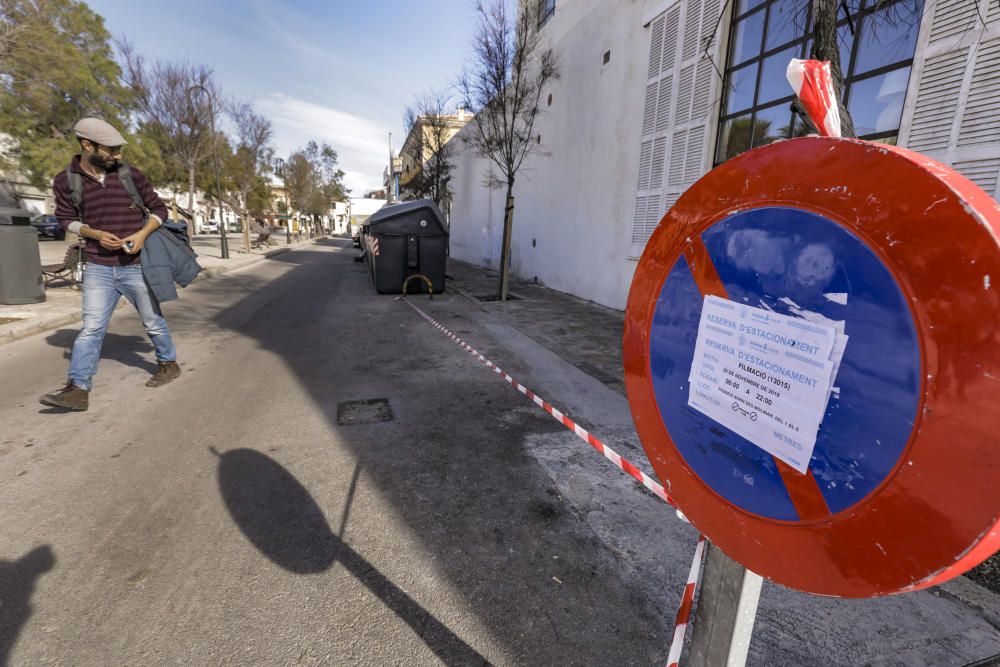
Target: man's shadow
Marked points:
134	351
17	583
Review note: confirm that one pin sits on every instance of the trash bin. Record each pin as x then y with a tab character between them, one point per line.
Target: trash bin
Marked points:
404	240
20	265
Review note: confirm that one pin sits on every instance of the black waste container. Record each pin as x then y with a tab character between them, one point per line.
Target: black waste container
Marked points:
20	265
404	240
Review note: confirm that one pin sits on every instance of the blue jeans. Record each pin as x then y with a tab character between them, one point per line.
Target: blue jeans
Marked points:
102	286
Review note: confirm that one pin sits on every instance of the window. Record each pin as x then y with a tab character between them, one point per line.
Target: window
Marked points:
546	8
876	38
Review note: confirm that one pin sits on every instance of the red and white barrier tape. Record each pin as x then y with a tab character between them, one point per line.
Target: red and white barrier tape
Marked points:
687	600
581	432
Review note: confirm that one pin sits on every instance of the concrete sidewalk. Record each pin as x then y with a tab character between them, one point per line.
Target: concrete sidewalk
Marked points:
589	336
62	301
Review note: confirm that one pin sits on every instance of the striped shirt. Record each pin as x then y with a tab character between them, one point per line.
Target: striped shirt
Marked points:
108	207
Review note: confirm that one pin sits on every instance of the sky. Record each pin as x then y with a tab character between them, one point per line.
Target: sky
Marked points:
339	71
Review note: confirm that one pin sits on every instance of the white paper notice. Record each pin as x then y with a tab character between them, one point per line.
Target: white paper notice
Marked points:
765	376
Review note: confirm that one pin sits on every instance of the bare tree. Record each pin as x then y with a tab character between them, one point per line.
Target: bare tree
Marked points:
503	87
175	109
428	149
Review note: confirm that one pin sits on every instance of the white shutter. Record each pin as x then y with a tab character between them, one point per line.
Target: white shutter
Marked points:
697	93
656	167
952	18
983	173
639	221
993	13
981	122
645	157
952	110
655	48
681	87
937	101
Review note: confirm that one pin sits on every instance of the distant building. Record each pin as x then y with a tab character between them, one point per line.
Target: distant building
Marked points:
428	136
654	93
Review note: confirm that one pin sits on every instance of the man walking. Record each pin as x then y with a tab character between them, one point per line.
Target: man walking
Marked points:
96	198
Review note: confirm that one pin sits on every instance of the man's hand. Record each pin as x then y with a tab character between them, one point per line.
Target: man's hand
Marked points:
137	240
107	240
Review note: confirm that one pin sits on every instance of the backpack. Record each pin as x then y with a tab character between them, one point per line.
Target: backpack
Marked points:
124	175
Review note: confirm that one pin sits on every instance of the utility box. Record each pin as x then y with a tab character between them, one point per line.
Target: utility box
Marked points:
404	240
20	265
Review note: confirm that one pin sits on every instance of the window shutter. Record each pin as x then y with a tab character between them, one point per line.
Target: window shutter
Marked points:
681	86
639	220
952	18
645	156
980	122
937	101
649	113
663	104
656	168
655	48
956	88
983	173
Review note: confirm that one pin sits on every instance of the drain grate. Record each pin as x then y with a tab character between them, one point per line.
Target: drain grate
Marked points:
371	411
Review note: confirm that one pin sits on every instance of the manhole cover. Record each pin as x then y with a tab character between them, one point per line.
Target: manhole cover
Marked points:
372	411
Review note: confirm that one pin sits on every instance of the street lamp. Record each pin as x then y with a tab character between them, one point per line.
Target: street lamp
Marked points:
215	158
279	169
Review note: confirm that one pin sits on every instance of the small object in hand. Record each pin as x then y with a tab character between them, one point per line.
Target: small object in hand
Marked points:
129	246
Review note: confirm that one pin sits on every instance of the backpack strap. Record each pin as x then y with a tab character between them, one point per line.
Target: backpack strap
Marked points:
125	176
75	191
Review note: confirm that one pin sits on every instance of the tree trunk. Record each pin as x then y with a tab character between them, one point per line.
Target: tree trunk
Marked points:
191	231
508	222
825	47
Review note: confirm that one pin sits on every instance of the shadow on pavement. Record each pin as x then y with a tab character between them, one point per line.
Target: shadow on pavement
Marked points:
134	351
17	583
453	464
279	516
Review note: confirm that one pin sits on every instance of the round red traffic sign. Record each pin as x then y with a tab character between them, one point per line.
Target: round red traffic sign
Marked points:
887	478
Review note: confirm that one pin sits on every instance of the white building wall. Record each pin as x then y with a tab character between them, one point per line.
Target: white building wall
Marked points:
576	207
573	206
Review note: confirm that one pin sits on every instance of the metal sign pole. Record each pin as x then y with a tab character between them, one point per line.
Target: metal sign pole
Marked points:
727	608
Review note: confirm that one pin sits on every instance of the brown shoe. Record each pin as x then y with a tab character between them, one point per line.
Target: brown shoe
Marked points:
70	397
166	371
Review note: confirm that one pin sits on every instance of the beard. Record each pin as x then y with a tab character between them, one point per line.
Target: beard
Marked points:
98	162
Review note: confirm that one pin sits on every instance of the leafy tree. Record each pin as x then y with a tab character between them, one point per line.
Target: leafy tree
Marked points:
502	87
57	67
313	179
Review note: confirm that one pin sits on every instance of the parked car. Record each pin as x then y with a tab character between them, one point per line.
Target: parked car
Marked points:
210	227
234	227
48	226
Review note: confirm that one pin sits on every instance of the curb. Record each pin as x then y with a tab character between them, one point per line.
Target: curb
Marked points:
45	323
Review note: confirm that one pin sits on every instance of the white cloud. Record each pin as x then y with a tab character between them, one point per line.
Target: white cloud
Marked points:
362	146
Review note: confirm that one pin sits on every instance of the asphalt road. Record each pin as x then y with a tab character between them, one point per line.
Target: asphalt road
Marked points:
228	518
246	514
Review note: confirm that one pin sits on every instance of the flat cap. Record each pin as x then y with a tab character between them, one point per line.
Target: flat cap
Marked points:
98	131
